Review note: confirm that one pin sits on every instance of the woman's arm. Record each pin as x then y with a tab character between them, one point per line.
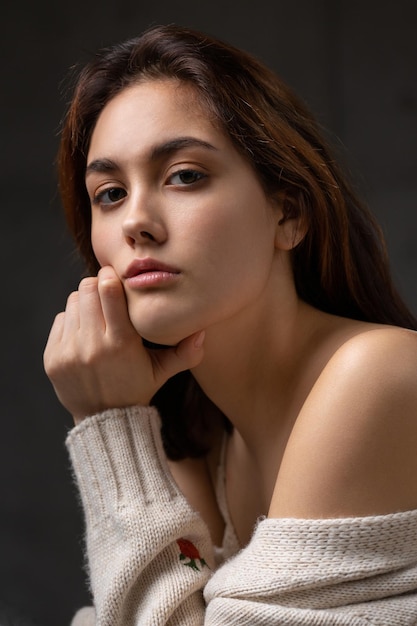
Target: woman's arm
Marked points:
149	553
142	536
323	572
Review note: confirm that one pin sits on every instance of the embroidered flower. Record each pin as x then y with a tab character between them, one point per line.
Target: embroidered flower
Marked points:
189	551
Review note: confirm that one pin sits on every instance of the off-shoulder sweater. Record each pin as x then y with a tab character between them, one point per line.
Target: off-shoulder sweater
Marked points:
151	561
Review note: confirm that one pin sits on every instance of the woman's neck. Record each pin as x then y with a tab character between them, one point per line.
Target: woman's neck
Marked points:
258	370
250	361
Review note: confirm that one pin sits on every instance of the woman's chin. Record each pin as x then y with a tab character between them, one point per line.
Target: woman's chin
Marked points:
159	338
160	330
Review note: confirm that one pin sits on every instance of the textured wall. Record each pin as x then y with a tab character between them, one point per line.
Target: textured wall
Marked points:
355	64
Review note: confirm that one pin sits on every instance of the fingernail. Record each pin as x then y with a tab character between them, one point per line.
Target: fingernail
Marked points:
199	340
105	272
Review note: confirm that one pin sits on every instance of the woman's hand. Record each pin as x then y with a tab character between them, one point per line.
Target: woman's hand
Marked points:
96	360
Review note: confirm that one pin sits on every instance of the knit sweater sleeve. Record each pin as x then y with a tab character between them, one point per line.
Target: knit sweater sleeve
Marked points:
323	572
150	554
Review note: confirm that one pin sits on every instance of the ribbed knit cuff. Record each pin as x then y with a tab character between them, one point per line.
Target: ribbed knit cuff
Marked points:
137	521
118	461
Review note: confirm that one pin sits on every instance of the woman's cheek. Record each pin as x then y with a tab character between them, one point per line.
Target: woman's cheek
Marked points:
103	241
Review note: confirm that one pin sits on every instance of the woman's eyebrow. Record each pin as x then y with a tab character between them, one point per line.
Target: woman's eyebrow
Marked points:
173	145
157	152
101	166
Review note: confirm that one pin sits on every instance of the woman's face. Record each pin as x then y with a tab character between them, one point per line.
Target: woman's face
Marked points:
177	212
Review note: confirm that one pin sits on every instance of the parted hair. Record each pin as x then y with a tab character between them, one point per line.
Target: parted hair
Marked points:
341	264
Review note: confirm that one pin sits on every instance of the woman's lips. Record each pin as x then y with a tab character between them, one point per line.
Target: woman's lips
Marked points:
143	273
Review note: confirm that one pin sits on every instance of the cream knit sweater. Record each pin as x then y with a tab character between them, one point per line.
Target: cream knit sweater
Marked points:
151	561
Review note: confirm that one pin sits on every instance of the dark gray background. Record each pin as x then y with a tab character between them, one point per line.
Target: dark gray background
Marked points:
353	61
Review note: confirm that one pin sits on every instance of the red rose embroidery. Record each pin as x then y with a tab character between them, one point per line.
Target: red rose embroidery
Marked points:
190	552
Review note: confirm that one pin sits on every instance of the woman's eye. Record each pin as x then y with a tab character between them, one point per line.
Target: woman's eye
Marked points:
109	196
185	177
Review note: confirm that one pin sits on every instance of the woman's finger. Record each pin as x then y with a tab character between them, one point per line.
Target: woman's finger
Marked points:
91	314
113	303
71	317
186	355
54	340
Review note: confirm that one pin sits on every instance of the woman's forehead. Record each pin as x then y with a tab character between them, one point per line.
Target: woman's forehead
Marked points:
152	111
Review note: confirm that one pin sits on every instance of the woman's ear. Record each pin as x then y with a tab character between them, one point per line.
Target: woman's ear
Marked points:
291	227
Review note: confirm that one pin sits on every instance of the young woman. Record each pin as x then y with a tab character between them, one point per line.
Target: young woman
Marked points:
241	372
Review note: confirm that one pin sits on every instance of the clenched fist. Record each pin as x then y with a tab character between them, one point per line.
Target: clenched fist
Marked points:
96	360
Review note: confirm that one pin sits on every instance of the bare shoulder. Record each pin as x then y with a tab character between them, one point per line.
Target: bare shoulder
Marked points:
379	345
381	363
353	447
373	373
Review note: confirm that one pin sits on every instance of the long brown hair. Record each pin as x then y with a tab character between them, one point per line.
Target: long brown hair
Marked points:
341	265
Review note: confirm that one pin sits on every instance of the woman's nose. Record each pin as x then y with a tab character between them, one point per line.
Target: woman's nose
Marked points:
143	221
